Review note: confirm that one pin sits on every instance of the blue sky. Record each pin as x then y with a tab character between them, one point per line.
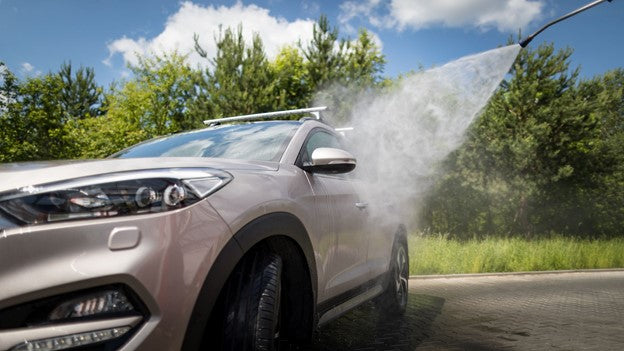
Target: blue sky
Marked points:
39	35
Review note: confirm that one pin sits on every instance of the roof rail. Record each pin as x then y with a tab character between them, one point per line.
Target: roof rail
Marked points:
315	111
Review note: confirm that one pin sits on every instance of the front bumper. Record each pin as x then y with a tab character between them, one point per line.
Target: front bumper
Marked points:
162	258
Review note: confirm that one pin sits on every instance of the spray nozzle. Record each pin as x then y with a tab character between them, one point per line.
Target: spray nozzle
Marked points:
528	39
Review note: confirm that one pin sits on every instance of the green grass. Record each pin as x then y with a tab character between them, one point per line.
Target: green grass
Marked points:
440	255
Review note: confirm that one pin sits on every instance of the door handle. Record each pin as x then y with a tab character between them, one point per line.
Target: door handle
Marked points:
361	205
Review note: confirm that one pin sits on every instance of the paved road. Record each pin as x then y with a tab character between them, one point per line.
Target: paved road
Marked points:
569	311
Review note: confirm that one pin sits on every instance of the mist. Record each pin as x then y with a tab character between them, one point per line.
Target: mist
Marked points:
400	136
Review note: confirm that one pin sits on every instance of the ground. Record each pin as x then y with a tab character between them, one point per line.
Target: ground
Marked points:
563	311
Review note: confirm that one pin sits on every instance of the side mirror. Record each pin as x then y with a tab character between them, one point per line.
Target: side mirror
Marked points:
330	160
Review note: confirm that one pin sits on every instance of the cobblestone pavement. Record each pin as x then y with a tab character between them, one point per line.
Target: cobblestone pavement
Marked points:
566	311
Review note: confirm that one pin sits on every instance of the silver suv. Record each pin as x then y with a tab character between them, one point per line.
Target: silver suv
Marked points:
239	236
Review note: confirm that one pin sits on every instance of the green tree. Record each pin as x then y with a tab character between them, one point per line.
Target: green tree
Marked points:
166	83
155	101
242	80
32	120
291	87
529	159
99	137
81	97
325	55
8	94
34	113
341	70
352	63
239	80
8	87
157	96
607	211
364	62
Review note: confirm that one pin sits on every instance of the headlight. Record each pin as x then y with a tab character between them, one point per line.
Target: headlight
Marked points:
110	195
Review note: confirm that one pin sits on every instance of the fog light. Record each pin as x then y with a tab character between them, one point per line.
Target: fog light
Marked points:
73	340
109	301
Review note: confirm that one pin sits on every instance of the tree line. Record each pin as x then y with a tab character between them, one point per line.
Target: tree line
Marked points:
66	114
544	157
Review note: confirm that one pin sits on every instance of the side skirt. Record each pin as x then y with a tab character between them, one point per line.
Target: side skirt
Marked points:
339	305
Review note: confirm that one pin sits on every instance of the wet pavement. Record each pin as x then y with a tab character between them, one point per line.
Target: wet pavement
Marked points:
564	311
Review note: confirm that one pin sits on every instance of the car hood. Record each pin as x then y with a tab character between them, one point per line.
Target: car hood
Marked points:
18	175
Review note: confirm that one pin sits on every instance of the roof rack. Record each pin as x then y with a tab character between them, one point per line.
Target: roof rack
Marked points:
315	111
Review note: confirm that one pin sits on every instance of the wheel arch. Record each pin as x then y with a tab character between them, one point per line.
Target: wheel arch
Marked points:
280	232
279	224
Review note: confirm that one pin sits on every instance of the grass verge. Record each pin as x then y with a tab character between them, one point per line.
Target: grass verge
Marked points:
440	255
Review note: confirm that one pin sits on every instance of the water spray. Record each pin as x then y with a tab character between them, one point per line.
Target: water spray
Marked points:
528	39
405	132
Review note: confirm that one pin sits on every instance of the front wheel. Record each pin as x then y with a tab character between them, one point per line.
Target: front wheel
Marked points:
394	299
252	304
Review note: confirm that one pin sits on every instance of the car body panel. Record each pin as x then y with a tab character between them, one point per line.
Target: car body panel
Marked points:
177	250
381	238
346	265
166	268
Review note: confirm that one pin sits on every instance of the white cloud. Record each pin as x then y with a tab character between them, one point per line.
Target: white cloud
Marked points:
504	15
26	67
352	9
312	7
128	48
205	21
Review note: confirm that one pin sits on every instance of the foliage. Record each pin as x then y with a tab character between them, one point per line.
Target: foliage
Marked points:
34	113
99	137
8	89
158	95
545	156
291	86
607	168
364	61
239	80
536	160
439	254
8	95
32	120
80	95
67	115
154	102
325	55
342	71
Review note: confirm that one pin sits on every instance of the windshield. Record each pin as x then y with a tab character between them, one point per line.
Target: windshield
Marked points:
261	141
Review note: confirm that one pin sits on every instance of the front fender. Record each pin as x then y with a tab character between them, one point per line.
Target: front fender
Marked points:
275	224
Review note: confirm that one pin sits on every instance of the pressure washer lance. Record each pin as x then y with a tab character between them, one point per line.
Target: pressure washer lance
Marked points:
526	41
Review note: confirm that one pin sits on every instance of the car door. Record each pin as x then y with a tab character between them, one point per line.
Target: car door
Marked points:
347	267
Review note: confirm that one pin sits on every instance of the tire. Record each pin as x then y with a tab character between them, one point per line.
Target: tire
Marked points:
393	301
252	304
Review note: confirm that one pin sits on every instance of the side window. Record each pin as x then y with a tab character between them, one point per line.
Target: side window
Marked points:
316	140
